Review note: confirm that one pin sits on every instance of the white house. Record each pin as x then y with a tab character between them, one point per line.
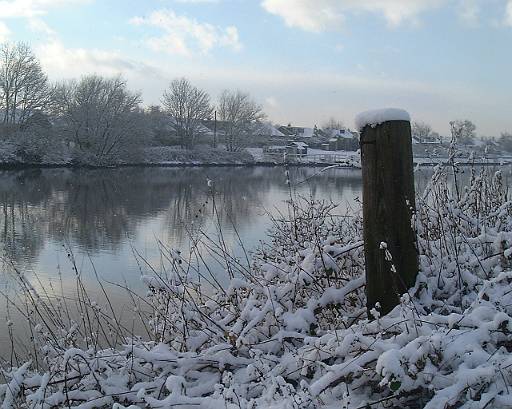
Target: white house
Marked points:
342	133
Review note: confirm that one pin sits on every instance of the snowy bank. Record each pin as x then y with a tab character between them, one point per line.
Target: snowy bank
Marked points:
291	329
13	155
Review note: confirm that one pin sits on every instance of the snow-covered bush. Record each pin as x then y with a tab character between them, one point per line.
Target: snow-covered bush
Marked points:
170	155
291	329
100	117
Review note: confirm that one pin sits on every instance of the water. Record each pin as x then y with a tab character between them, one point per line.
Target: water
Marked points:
101	217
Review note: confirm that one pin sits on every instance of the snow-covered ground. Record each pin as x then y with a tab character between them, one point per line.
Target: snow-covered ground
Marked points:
313	157
169	155
291	329
61	154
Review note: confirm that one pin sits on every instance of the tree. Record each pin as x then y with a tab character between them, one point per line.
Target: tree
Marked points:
24	87
333	123
100	116
505	141
463	131
187	106
239	112
421	131
436	137
159	126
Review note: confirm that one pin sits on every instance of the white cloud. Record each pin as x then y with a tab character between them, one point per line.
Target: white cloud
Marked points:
31	8
184	35
271	102
508	14
321	15
4	32
309	15
469	11
32	11
61	62
195	1
39	26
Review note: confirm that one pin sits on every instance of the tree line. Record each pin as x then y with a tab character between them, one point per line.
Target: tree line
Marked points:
96	119
100	118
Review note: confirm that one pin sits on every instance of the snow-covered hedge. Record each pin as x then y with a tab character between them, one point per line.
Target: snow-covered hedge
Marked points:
171	155
291	329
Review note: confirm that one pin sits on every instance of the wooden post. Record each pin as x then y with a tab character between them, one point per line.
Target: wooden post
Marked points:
388	204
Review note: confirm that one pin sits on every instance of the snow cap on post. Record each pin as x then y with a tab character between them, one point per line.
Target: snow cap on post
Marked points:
378	116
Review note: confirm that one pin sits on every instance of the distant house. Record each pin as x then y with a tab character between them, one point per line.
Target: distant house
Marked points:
201	128
266	129
433	139
297	132
297	148
218	127
342	133
276	149
342	139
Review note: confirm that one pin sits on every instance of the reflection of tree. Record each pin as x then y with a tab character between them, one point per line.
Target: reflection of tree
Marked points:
98	209
234	190
21	230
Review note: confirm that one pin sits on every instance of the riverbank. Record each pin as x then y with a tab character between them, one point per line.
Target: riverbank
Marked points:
290	328
173	157
209	157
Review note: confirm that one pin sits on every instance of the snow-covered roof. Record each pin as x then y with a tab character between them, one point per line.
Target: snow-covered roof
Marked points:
300	144
379	116
339	133
307	132
268	129
298	131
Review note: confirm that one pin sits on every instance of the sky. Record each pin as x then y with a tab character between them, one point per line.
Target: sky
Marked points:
305	61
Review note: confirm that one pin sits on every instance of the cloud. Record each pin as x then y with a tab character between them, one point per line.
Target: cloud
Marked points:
4	32
271	102
61	62
469	11
186	36
32	11
508	14
39	26
31	8
326	15
322	15
196	1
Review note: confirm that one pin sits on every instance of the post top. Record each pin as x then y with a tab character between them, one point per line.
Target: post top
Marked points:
379	116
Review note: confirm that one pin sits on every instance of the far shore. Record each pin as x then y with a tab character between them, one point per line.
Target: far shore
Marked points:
420	162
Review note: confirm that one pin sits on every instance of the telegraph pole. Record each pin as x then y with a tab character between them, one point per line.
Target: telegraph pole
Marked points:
215	130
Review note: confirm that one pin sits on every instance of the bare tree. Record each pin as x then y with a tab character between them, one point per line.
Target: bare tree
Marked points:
100	115
421	131
239	112
463	131
333	123
24	87
505	141
187	106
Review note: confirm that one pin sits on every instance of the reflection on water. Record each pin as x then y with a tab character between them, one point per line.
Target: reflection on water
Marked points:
102	215
100	210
